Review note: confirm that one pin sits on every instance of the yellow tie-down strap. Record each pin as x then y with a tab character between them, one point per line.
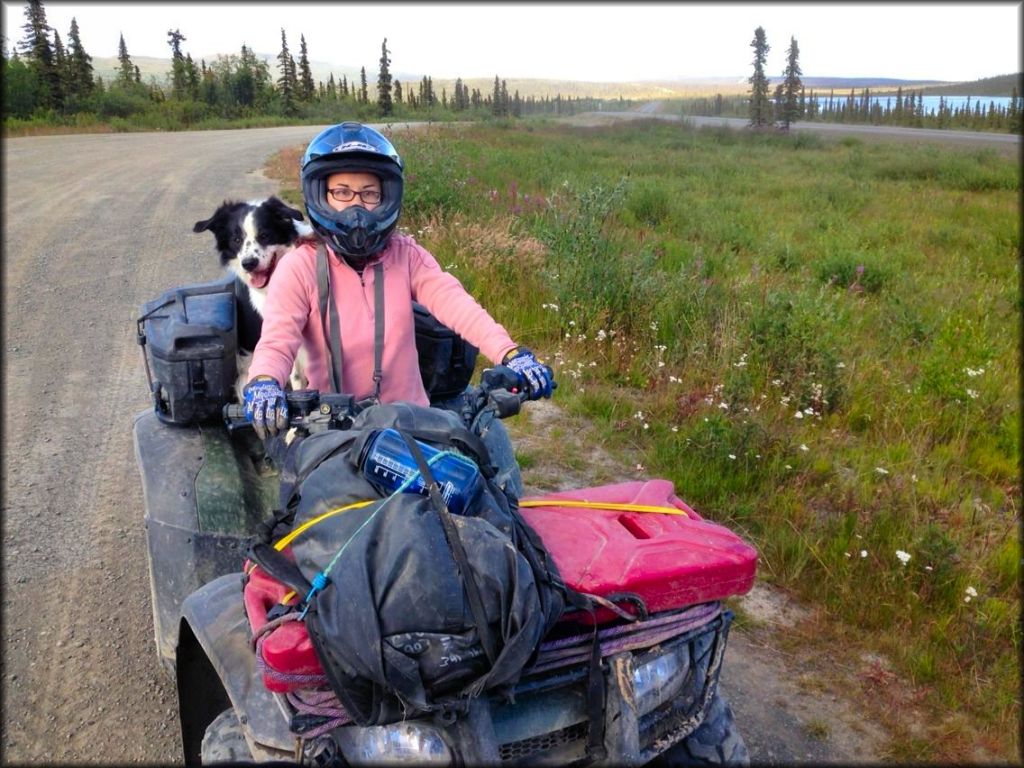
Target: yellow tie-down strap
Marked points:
615	507
286	540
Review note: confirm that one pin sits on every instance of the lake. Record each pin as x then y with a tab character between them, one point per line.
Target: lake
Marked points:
931	103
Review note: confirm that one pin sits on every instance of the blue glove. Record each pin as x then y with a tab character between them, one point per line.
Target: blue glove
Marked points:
265	407
536	378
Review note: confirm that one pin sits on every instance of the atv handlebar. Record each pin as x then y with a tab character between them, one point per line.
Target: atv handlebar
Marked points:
311	411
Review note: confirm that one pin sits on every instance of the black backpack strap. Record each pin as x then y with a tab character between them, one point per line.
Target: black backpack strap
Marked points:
463	440
280	567
476	603
328	306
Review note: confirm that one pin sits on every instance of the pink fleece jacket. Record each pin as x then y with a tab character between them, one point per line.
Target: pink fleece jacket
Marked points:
291	316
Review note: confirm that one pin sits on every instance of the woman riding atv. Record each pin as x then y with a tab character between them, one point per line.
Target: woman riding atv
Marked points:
352	184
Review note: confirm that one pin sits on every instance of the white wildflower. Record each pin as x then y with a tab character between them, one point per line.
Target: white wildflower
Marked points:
798	415
882	470
863	553
903	556
803	447
732	456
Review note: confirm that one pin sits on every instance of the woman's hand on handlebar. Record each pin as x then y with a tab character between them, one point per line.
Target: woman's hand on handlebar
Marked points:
265	406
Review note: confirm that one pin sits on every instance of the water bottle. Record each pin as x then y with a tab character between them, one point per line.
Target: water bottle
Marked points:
387	462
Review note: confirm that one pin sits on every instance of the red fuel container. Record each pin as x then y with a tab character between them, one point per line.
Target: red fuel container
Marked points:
669	560
287	650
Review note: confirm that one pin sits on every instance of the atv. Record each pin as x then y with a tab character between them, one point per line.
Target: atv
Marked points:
209	484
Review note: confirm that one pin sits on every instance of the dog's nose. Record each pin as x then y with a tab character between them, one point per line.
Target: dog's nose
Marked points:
250	264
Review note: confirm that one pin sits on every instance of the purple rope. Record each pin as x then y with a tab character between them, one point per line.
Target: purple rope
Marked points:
552	655
704	612
317	703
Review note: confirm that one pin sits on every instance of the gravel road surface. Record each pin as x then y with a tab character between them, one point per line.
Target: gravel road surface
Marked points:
94	226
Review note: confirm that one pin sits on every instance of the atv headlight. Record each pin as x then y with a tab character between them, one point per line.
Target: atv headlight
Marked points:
660	679
391	744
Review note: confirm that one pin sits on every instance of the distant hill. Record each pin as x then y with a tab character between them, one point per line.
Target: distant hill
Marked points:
990	86
158	69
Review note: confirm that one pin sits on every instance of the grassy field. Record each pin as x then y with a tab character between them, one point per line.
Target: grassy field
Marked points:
817	342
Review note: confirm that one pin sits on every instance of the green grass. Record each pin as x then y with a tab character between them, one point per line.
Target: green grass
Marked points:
822	339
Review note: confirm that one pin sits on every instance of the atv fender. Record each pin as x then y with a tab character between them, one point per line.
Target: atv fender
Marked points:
216	669
204	496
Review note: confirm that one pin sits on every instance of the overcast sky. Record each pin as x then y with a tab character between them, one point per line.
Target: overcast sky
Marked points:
602	42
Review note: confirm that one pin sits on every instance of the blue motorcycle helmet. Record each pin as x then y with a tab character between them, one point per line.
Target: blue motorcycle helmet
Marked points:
355	233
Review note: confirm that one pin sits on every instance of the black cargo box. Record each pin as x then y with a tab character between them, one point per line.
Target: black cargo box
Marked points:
190	342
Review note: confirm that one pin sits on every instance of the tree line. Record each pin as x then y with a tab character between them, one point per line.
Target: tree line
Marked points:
789	102
47	82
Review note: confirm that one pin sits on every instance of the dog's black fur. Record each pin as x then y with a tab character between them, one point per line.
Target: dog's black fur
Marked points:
251	237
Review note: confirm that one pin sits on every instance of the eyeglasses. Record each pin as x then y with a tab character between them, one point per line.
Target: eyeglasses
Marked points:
346	195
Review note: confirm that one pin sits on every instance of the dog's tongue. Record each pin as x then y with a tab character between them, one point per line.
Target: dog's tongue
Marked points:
260	279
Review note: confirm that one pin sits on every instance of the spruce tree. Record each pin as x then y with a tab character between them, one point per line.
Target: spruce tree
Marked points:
305	76
760	105
126	70
792	86
80	66
398	92
384	81
496	98
179	72
191	77
38	55
286	83
61	64
364	94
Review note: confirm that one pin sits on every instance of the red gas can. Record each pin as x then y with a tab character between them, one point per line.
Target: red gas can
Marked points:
671	559
286	650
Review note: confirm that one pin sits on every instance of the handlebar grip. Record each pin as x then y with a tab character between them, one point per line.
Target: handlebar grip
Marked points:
234	417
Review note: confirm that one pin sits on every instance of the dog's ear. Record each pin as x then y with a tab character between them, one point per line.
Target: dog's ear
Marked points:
219	217
284	210
202	226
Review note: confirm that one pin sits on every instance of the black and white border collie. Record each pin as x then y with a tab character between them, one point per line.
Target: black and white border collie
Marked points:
251	238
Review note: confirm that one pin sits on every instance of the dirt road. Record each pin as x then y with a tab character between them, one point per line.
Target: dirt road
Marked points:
94	226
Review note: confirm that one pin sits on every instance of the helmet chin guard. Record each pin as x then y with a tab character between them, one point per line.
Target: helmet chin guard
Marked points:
355	232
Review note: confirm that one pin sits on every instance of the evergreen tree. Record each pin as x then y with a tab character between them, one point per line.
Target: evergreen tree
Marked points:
384	81
61	64
364	94
38	56
344	86
398	92
496	98
1014	112
760	106
305	76
126	70
191	77
179	72
80	64
792	86
287	83
332	89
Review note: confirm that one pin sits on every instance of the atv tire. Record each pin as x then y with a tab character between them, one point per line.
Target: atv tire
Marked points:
716	741
224	741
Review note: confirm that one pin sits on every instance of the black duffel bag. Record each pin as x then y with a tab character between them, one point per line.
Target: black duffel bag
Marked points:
421	610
